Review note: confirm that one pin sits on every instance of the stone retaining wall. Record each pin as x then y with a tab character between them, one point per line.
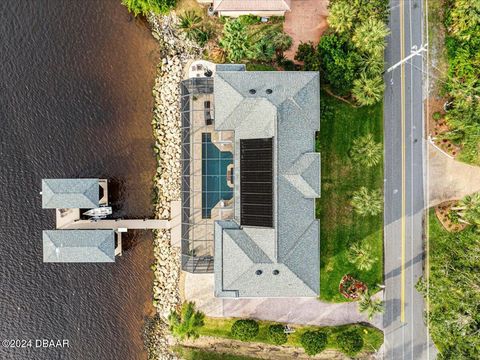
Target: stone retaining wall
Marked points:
175	52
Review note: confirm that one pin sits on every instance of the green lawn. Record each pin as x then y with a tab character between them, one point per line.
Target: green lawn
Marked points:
220	327
340	226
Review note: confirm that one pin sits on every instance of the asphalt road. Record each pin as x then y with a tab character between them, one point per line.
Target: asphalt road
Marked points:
406	335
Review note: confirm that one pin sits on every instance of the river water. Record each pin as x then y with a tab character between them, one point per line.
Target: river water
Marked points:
75	101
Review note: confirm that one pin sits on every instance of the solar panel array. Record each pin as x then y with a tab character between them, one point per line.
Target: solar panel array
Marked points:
256	182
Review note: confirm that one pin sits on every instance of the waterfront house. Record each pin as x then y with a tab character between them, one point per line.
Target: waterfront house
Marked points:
250	179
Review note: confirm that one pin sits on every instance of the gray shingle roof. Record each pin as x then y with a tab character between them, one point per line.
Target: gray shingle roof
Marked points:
70	193
81	246
290	113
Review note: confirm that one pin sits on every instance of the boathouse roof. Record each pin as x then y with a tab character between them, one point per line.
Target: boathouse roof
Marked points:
70	193
78	246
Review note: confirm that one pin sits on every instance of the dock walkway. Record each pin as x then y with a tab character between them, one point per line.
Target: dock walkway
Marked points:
131	224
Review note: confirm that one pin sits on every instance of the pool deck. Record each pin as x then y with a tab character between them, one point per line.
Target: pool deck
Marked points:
202	229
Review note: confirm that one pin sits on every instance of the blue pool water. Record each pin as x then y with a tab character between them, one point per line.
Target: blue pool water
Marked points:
214	175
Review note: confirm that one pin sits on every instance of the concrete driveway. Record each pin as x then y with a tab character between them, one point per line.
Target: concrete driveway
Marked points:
449	179
306	21
309	311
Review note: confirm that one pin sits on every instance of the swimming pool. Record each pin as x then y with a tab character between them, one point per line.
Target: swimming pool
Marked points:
214	175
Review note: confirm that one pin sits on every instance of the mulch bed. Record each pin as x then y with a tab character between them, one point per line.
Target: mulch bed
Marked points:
438	127
442	211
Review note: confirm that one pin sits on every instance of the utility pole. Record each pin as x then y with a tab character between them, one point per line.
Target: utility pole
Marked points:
415	51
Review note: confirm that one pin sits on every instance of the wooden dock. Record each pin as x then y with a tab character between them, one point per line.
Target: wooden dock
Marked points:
115	224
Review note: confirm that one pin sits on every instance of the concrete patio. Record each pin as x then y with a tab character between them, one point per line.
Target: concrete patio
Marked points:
309	311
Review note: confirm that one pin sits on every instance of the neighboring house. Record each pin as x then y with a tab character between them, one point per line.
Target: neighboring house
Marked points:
266	240
235	8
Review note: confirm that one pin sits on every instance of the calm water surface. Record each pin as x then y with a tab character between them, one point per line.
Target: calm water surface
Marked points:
75	101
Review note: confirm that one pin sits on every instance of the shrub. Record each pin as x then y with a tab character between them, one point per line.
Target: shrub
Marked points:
314	342
437	115
350	342
288	65
307	54
276	334
245	330
341	62
249	19
143	7
260	67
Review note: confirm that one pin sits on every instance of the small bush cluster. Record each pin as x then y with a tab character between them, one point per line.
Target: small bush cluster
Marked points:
276	334
350	342
314	342
245	329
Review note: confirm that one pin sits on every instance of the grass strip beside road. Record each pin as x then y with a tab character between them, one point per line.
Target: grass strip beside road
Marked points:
340	226
220	327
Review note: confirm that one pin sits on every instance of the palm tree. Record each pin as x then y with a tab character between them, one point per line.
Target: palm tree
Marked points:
368	305
366	90
189	20
361	256
341	15
366	152
468	210
186	323
369	36
367	202
371	65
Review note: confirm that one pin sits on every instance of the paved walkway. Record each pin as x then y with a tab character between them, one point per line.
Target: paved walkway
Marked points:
449	179
308	311
306	22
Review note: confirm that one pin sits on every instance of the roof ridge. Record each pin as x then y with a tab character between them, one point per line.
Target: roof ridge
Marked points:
219	74
286	257
258	248
305	183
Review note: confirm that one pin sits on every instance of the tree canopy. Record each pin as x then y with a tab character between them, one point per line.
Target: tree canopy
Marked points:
144	7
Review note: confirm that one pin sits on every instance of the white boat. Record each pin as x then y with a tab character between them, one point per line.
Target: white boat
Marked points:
99	213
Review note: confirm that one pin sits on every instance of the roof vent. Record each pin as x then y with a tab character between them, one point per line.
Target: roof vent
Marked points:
269	91
276	272
252	91
259	272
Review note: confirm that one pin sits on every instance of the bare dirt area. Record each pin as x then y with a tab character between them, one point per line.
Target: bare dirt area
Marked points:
259	350
306	21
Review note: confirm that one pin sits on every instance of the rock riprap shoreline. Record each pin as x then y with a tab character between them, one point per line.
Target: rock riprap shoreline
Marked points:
175	52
